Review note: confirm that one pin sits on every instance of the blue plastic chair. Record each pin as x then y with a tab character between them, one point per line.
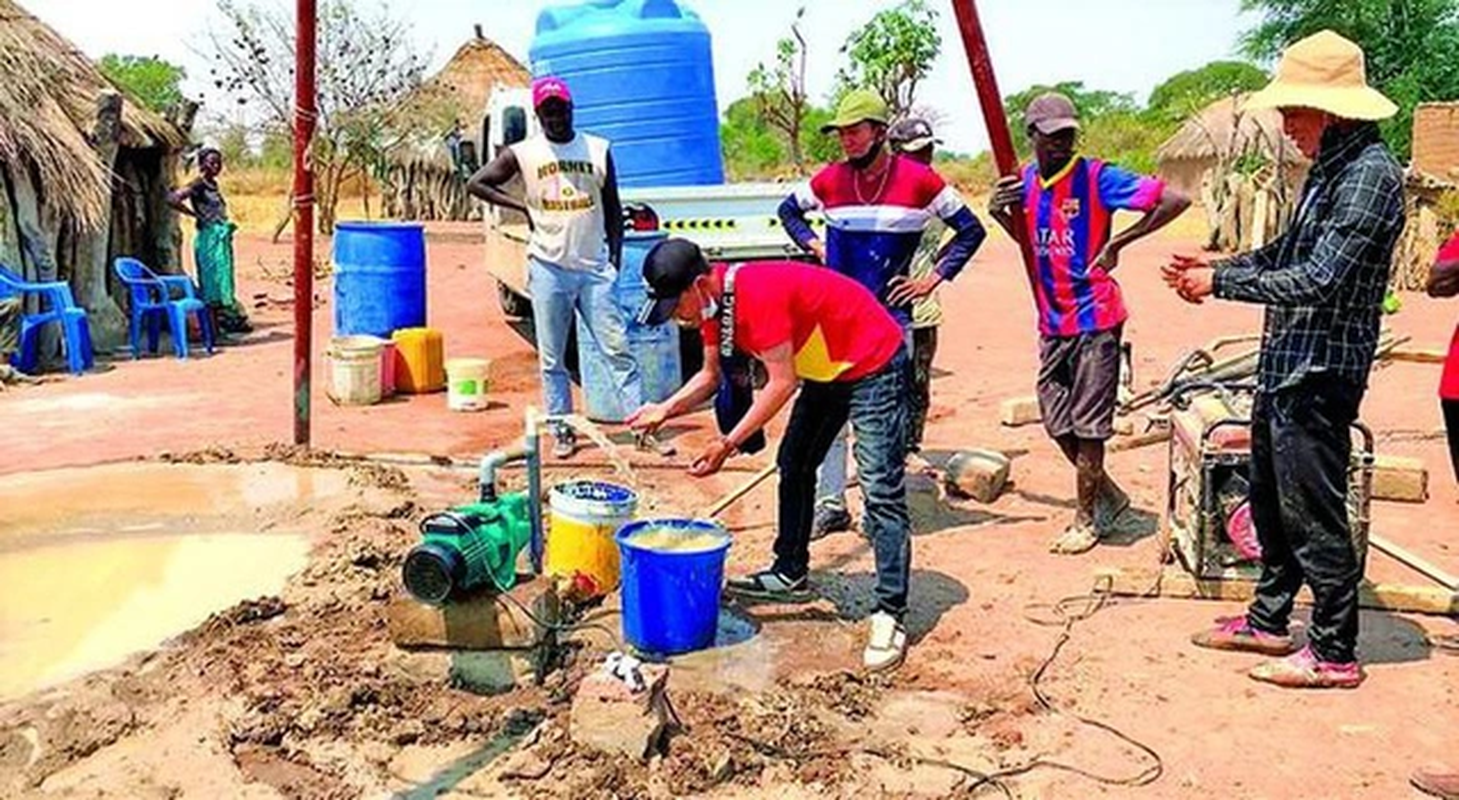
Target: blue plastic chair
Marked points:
153	300
58	306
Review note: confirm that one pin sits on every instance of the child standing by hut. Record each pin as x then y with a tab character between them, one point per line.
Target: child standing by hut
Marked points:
213	248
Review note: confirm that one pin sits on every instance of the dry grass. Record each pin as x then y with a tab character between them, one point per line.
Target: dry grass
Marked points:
258	198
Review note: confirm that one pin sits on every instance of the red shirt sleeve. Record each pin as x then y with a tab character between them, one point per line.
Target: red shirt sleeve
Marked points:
1450	250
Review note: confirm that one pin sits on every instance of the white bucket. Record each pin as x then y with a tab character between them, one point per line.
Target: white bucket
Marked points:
466	381
355	370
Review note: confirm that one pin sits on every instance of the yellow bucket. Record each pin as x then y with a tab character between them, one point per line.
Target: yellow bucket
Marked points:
585	517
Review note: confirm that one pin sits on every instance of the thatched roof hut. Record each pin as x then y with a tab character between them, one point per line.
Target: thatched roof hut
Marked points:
421	180
1221	135
84	170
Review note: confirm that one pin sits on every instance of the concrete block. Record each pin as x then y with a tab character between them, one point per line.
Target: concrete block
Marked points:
608	717
979	474
1016	411
479	621
1405	480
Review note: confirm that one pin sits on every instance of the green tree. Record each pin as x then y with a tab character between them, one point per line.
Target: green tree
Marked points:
149	80
893	53
1409	46
779	91
1187	92
818	147
1092	105
751	148
233	144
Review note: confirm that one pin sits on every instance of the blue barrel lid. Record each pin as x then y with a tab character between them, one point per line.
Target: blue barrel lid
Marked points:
564	24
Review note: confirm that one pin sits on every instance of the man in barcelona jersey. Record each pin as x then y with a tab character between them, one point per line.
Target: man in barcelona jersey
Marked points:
1068	205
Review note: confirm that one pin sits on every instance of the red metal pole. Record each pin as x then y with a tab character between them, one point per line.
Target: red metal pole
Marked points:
304	114
986	83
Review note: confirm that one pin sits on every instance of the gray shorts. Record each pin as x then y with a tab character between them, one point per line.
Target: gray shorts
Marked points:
1078	384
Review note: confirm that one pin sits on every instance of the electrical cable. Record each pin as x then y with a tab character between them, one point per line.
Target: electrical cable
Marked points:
1065	614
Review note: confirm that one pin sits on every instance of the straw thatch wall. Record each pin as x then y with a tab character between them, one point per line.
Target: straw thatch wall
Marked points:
421	180
1221	134
84	172
1243	167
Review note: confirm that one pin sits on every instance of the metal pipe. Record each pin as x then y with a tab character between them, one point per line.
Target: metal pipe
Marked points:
489	465
534	488
980	64
304	114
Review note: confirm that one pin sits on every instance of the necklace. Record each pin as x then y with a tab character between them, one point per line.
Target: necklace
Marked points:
886	174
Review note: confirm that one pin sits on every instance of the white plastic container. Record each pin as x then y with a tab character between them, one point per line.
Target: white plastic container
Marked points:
466	383
354	363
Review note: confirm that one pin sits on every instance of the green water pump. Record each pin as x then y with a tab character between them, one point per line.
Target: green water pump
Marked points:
469	546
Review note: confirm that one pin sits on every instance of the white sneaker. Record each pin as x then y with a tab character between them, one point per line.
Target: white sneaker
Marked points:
887	645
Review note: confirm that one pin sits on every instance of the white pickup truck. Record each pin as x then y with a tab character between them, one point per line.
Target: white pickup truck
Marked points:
730	222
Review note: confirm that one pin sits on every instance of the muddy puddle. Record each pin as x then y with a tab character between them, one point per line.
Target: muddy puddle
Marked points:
752	651
99	563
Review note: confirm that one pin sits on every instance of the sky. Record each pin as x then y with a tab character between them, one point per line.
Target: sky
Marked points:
1119	45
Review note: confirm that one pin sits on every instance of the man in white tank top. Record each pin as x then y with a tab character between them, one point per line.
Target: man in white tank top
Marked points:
576	244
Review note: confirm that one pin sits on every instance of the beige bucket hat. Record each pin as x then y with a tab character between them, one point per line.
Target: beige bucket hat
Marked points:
1326	72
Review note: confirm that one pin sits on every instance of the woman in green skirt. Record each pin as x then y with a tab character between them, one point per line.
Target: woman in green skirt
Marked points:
213	248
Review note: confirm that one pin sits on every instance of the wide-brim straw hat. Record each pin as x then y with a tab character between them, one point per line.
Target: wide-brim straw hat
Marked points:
1326	72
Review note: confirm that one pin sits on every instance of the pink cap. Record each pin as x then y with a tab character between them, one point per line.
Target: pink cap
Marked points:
546	88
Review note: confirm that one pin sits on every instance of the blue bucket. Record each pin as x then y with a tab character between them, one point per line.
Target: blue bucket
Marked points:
671	597
379	277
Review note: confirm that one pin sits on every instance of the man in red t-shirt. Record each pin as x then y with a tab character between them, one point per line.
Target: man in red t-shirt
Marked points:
826	334
1444	282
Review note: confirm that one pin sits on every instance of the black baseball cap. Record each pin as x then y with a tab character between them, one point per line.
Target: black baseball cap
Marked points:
669	269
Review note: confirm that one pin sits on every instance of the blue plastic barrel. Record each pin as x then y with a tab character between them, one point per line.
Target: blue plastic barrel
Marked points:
671	597
641	76
379	277
654	348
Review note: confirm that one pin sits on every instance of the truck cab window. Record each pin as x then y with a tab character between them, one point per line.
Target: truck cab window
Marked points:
514	125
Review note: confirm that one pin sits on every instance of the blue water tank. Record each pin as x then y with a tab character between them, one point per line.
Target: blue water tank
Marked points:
654	348
379	277
641	77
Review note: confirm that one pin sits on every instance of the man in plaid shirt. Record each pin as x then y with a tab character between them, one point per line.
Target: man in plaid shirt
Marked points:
1323	283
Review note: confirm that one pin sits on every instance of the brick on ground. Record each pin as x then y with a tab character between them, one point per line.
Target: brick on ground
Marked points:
477	621
1016	411
979	474
1399	478
608	717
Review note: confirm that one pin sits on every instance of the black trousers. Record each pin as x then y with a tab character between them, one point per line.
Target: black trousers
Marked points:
1301	451
1451	425
876	406
924	350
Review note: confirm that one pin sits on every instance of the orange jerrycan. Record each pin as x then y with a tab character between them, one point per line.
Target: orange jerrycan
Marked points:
420	365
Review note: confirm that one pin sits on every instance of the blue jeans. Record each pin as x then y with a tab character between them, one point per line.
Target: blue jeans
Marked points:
558	292
831	477
877	409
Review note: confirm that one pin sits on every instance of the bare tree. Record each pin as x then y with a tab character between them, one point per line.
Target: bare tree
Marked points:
366	66
780	93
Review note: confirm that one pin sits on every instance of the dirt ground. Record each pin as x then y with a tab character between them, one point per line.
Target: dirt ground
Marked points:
301	695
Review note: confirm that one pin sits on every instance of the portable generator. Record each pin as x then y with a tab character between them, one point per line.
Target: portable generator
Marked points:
1208	523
